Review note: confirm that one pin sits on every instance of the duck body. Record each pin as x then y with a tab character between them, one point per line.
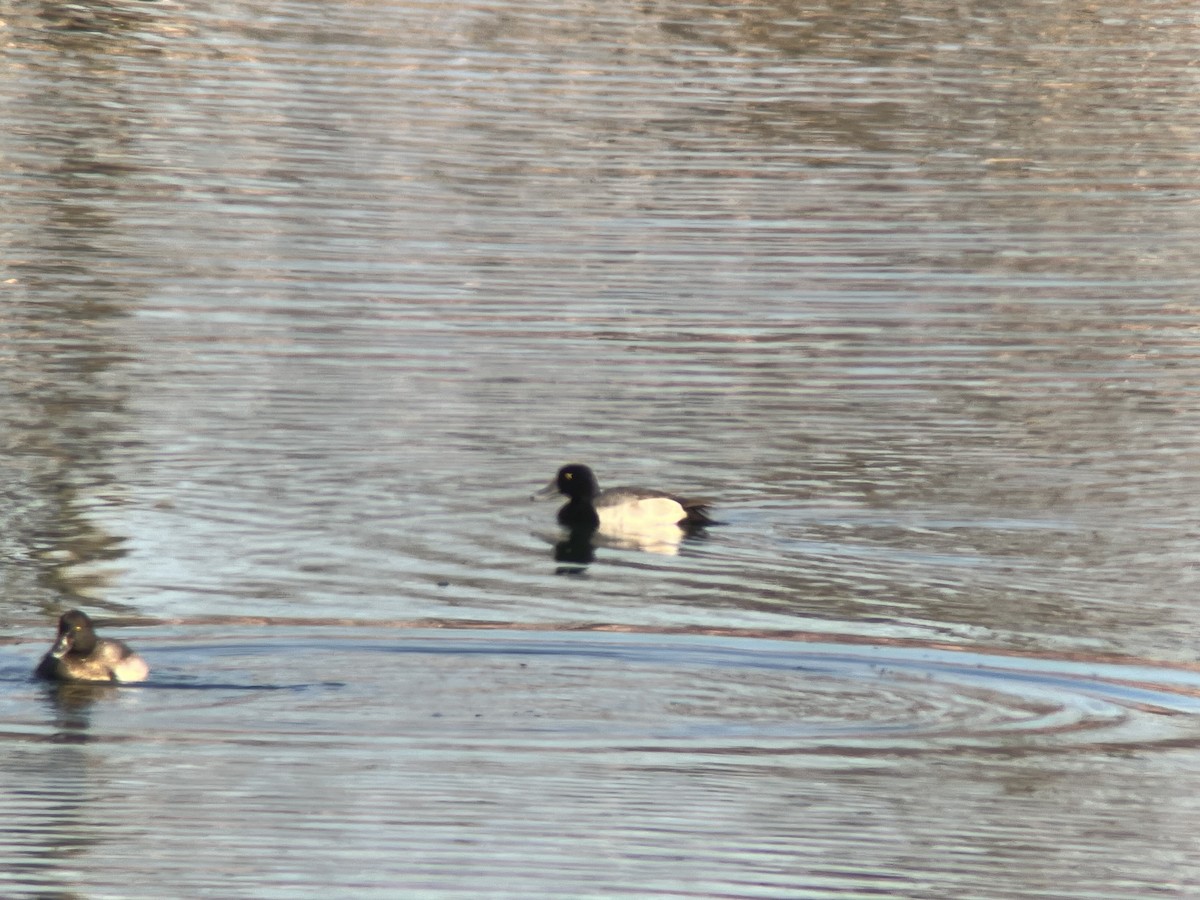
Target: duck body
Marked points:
79	655
621	509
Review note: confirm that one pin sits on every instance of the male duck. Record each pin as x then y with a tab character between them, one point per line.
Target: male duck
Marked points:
78	655
620	509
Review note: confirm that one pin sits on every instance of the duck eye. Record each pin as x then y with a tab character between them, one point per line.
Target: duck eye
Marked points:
568	476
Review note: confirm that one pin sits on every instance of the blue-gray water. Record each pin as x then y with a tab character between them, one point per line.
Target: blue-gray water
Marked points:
301	301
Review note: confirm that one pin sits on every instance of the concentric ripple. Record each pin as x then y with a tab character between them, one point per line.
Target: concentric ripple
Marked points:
690	758
528	691
713	693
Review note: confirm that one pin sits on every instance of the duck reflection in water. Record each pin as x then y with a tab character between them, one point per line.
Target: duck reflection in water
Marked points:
71	703
576	548
623	518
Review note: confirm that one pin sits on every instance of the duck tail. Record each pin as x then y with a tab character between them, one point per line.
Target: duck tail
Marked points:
698	514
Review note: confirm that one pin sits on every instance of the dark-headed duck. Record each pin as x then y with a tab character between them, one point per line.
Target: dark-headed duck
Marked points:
78	655
620	509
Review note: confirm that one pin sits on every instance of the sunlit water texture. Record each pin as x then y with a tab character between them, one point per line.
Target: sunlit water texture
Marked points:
299	302
597	762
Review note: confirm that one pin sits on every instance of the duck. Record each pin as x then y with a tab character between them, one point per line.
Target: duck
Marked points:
621	509
79	655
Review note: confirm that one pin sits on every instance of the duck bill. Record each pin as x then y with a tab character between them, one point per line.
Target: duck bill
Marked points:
61	647
548	491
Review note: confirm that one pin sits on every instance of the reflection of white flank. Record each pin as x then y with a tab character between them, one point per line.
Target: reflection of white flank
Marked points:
664	539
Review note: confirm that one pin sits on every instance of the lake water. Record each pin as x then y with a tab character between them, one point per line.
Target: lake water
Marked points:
301	301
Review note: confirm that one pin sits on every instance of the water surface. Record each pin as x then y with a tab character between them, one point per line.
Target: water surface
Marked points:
301	301
501	762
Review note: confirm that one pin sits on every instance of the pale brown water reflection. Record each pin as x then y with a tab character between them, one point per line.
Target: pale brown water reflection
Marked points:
300	302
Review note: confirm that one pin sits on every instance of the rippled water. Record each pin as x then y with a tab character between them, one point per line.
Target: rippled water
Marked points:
301	301
587	763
